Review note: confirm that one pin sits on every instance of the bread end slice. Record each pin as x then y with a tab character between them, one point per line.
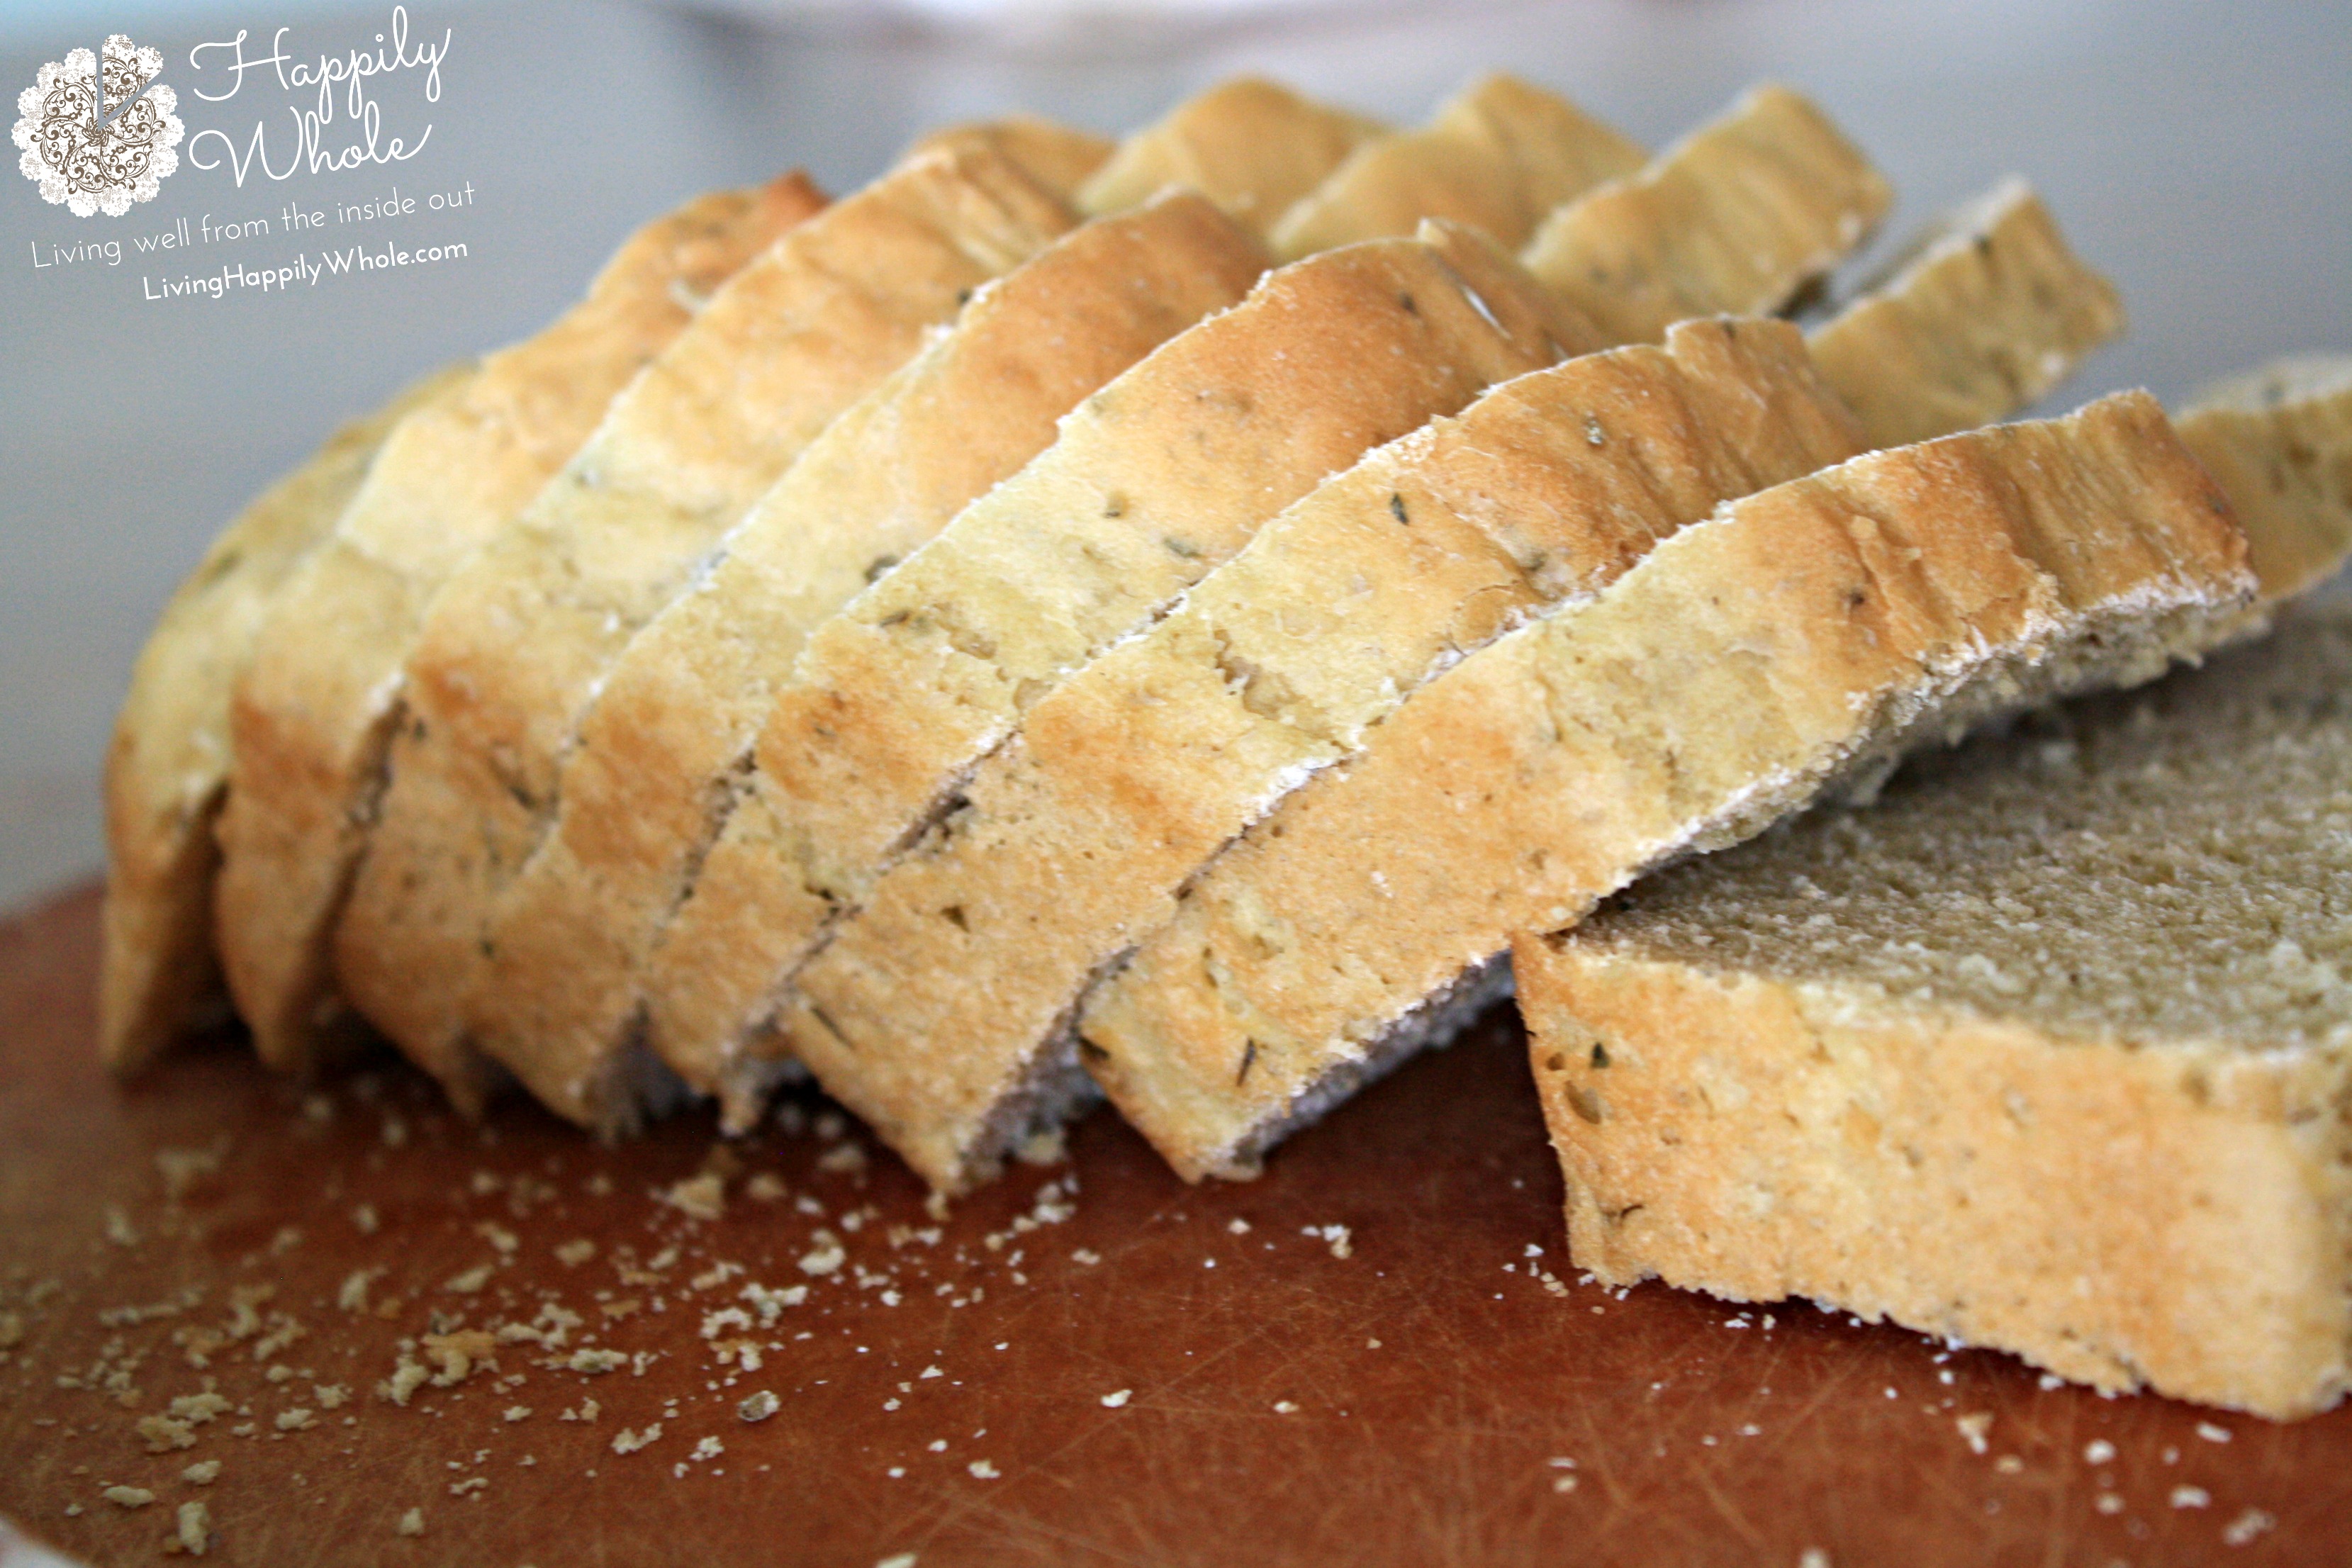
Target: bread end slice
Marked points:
2279	439
2047	1050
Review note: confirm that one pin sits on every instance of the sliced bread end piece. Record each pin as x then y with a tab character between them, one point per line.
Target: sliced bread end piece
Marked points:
2280	441
2047	1050
1746	666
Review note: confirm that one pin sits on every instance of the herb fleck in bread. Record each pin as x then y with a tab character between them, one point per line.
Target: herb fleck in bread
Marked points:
2048	1049
673	720
1151	483
515	643
167	769
308	713
1716	223
1250	145
1501	155
1743	667
1071	843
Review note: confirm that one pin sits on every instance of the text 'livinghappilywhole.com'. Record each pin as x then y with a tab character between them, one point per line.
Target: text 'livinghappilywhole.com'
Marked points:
304	270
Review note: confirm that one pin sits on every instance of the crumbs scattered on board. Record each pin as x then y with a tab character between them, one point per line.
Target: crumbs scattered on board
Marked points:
665	1346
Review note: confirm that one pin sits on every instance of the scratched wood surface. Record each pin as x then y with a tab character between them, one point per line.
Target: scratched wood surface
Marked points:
1090	1363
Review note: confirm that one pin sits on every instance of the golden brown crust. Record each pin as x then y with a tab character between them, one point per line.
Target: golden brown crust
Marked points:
514	643
1060	158
1740	215
167	767
1500	155
1721	682
2279	439
1992	311
1153	482
1075	838
656	750
1250	145
308	714
2125	1214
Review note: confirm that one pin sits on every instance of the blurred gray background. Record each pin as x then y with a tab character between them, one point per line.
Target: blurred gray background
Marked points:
2201	152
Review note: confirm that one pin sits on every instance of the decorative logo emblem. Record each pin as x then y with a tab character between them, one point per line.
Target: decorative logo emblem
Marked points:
99	145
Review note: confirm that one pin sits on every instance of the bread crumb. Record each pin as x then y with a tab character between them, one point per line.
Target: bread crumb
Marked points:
2191	1497
2098	1451
471	1484
1086	1256
626	1441
1973	1428
1113	1401
331	1396
766	1187
2243	1528
1238	1226
203	1473
699	1197
407	1378
708	1449
1812	1557
903	1559
128	1497
572	1254
195	1528
2108	1502
1563	1483
825	1257
364	1219
594	1362
517	1413
182	1169
411	1522
588	1411
1338	1237
842	1158
2212	1434
455	1355
1284	1407
353	1295
118	1228
298	1419
2007	1465
981	1470
163	1434
469	1282
1047	1146
758	1407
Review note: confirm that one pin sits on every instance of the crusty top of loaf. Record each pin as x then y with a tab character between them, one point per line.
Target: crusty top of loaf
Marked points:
2169	864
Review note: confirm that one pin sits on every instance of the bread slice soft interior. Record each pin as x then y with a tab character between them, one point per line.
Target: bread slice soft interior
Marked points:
2047	1050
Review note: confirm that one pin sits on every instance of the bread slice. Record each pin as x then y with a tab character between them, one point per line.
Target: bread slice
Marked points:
2280	440
1073	842
1500	154
1792	641
2046	1051
1250	145
1151	483
308	712
515	644
1984	313
1719	222
674	718
954	985
167	767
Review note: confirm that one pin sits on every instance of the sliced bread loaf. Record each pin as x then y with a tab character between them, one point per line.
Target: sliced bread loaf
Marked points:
672	722
1151	483
2280	440
2048	1049
167	767
308	712
1500	154
1250	145
516	642
1717	222
965	969
1748	663
953	986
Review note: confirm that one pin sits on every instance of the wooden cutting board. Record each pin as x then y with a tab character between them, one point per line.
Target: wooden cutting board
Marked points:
1375	1354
